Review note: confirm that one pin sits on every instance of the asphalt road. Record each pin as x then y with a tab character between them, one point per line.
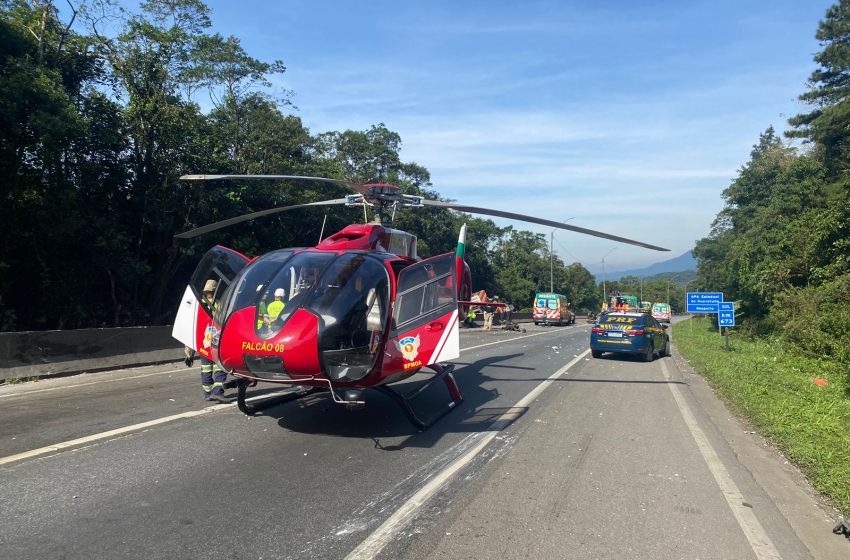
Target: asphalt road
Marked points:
552	455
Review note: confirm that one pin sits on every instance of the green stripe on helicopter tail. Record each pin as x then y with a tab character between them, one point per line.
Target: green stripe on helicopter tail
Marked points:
461	242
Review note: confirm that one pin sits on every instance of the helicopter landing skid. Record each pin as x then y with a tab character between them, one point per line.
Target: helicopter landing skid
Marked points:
444	372
242	387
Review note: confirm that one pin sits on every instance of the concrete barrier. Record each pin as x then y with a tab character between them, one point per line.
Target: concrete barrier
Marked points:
33	354
25	355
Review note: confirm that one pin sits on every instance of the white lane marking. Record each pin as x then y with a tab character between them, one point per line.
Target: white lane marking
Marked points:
507	340
26	393
759	541
383	535
136	427
125	430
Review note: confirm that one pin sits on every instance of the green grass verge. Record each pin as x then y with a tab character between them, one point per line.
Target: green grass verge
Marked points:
773	388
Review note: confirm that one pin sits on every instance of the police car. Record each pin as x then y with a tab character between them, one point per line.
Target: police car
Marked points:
629	332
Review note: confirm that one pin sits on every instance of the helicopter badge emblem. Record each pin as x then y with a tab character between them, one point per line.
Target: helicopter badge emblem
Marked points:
209	333
409	347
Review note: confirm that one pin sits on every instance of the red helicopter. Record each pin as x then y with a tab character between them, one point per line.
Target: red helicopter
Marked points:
358	311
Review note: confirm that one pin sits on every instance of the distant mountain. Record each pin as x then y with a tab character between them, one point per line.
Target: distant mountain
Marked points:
682	263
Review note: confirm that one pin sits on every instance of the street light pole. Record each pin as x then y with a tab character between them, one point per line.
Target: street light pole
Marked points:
604	291
552	257
551	270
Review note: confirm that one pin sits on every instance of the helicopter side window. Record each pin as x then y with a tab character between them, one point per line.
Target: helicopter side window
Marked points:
426	288
288	290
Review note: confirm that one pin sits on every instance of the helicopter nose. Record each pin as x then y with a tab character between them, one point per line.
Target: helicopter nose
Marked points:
292	352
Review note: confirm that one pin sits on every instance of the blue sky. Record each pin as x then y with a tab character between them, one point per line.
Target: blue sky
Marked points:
627	117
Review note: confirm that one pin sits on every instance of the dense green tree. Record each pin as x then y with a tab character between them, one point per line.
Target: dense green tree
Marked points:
522	267
829	93
45	71
581	288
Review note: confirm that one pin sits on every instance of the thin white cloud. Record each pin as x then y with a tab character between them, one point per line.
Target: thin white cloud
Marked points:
626	116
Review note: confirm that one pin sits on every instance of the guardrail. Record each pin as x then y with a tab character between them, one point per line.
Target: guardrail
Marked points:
34	354
25	355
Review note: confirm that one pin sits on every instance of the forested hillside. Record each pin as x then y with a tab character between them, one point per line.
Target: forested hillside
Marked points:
100	115
781	245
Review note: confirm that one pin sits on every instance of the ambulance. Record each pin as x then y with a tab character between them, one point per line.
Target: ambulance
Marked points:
661	312
552	309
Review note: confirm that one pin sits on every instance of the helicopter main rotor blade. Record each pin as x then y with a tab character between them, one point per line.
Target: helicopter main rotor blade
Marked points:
246	217
532	219
361	189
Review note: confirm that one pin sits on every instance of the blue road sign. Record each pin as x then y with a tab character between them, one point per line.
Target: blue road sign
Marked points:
704	302
726	314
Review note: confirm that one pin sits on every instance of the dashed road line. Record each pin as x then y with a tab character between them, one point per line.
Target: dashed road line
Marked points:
398	521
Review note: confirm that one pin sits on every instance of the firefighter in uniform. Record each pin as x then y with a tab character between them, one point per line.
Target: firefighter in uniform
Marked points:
213	378
275	308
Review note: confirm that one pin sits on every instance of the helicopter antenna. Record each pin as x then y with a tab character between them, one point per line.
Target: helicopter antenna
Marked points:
322	232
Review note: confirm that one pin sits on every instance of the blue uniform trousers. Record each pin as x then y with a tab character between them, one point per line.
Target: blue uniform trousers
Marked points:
212	377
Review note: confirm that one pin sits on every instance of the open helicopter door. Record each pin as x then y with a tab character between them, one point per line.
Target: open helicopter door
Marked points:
194	325
425	332
425	315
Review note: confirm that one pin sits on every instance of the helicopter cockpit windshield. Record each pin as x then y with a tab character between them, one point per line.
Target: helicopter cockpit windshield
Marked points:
352	301
246	287
288	290
348	292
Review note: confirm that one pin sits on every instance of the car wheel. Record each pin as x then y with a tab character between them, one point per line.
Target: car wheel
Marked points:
666	347
596	353
649	354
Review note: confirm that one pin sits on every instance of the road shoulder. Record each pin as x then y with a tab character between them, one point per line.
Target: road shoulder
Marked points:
806	511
